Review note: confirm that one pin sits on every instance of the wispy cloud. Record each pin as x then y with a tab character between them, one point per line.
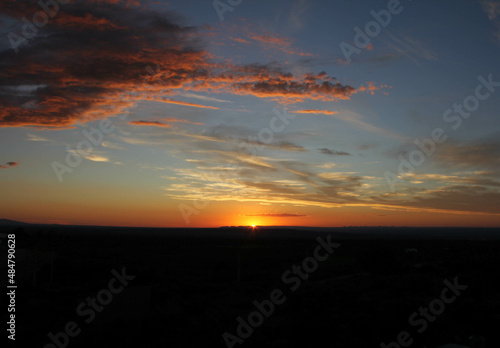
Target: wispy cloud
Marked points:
411	48
177	102
329	152
272	40
149	123
33	137
96	158
239	39
355	119
93	156
298	15
182	121
358	121
476	178
112	145
260	179
327	165
204	98
476	155
310	111
280	215
492	9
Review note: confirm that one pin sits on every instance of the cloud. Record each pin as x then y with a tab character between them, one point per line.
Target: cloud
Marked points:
232	139
329	152
202	137
96	158
384	58
272	39
112	145
321	62
411	48
177	102
239	39
465	198
205	98
226	174
324	112
371	87
182	121
269	81
149	123
94	61
277	145
473	155
135	141
365	147
327	165
298	14
283	215
358	121
491	7
232	176
33	137
9	164
476	178
276	41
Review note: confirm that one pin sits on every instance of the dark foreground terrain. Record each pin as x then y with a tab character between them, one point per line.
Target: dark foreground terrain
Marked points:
130	287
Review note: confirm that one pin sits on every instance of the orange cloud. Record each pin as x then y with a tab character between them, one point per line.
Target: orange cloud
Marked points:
279	215
149	123
240	40
309	111
371	88
177	102
61	77
272	39
182	121
277	41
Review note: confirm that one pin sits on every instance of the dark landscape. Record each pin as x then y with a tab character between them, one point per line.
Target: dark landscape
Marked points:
191	285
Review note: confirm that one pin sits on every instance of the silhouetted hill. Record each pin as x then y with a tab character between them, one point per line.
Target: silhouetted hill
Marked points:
6	222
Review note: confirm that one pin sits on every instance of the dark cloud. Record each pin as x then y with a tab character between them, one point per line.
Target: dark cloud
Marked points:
8	165
281	145
329	152
95	58
470	198
365	147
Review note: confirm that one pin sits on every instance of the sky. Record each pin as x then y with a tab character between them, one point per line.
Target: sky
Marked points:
220	113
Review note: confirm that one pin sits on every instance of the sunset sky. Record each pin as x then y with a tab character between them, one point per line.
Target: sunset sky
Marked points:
250	114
